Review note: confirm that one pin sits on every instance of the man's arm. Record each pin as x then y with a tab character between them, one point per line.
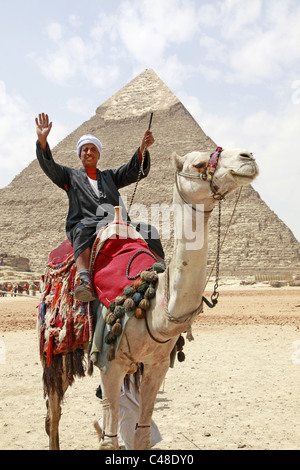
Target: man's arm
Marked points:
128	173
57	173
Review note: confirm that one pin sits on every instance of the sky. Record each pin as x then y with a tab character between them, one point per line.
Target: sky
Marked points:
234	64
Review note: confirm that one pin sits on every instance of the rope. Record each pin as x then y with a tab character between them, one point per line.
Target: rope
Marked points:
108	435
132	258
184	318
138	178
220	247
141	167
151	335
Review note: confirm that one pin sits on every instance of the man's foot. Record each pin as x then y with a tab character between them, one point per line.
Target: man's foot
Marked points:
84	292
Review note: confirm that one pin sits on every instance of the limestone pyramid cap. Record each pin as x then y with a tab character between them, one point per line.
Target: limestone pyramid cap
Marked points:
145	93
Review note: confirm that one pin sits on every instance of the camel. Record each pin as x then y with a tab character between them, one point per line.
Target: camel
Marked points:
201	179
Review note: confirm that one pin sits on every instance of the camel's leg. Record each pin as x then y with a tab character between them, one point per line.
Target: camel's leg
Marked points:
55	396
52	420
111	384
153	376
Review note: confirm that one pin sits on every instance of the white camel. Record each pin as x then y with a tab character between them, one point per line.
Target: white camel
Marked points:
201	179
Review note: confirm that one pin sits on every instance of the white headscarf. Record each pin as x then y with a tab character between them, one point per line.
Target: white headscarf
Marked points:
88	139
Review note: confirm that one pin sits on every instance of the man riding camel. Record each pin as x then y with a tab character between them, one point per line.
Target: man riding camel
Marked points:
91	193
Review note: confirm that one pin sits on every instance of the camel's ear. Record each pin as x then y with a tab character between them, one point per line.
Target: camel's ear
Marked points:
177	161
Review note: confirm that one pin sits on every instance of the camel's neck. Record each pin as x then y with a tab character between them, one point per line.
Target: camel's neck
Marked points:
187	270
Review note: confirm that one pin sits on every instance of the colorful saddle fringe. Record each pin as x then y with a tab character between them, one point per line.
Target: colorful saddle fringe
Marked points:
65	323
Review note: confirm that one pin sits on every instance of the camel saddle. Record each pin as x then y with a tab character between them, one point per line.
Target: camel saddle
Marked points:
118	256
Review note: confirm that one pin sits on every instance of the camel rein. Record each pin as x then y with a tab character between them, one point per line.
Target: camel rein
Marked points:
138	178
215	295
141	168
207	176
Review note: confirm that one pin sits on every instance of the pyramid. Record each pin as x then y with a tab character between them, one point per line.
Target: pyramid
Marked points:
33	210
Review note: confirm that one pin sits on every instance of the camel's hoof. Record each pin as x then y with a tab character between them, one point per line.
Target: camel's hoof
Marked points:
109	445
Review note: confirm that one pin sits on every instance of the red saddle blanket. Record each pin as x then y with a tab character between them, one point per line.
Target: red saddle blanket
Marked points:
117	264
61	255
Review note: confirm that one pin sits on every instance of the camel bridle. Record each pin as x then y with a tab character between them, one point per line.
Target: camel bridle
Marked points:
208	175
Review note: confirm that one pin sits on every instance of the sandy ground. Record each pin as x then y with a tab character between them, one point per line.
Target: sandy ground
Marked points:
239	387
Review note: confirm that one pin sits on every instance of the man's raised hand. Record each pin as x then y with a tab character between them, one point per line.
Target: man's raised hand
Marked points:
43	128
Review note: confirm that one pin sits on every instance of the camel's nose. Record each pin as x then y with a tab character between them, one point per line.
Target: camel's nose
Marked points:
246	155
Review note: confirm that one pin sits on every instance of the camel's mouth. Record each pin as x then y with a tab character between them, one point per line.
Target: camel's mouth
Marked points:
246	173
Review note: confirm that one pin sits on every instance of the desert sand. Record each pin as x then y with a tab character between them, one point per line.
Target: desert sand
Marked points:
238	388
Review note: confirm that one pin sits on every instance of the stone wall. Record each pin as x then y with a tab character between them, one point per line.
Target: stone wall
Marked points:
17	262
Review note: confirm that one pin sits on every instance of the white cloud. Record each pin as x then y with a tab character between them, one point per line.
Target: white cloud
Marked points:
254	41
173	72
247	42
105	28
101	75
139	31
15	129
75	56
2	92
147	29
18	137
192	104
74	20
54	31
238	18
78	106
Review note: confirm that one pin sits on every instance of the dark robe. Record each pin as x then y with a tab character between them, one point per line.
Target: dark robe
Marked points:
88	213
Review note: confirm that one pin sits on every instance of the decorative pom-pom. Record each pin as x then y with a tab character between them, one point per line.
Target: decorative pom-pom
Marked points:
128	291
149	276
137	283
111	353
109	338
180	356
119	300
129	305
143	287
112	307
137	297
150	292
119	311
117	328
158	267
180	343
110	318
144	304
140	313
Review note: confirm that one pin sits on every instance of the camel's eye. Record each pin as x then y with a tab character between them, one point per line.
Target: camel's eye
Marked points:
200	166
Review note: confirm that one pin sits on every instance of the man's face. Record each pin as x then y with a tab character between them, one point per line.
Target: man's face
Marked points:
89	155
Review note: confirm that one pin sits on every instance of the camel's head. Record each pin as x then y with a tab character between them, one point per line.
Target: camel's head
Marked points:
202	175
